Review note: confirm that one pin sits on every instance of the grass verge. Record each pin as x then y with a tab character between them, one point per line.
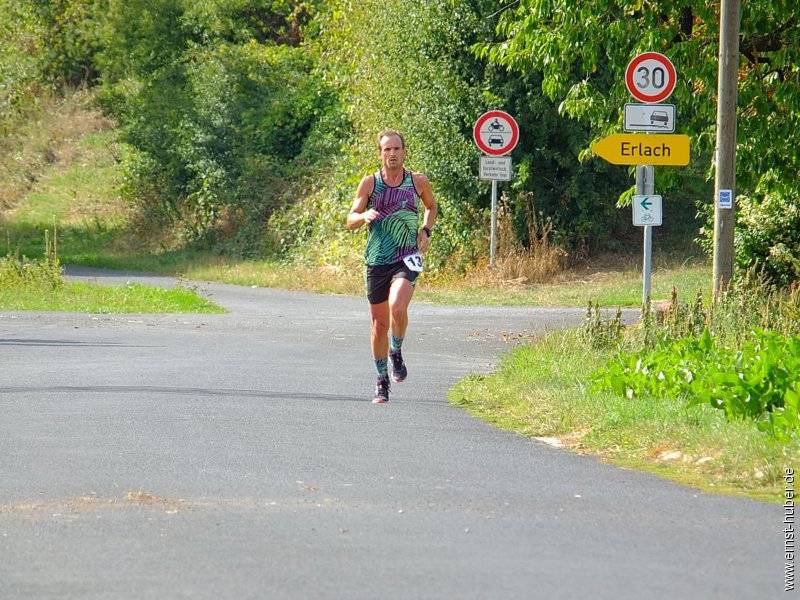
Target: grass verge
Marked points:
204	266
97	299
540	390
39	285
575	288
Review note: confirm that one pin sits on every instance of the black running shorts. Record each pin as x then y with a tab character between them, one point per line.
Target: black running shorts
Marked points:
380	278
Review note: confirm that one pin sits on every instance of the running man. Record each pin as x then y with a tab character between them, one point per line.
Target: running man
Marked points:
388	202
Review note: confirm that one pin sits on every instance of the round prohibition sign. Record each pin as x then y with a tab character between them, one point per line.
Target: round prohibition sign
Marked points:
650	77
496	133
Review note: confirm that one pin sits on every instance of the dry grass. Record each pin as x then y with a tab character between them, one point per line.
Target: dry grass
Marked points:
321	279
516	264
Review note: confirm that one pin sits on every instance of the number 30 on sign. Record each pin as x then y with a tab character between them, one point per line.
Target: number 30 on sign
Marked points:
650	77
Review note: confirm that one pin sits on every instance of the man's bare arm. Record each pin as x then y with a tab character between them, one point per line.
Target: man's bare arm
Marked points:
423	186
358	214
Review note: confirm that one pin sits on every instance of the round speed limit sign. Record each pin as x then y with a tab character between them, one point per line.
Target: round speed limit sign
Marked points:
650	77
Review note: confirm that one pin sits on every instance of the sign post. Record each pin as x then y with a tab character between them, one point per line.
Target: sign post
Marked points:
725	171
496	133
645	186
650	78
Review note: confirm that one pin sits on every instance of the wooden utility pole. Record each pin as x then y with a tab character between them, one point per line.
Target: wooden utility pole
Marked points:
725	175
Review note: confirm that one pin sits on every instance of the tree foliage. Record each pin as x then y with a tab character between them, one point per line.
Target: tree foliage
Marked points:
582	51
767	234
409	65
256	118
218	98
21	63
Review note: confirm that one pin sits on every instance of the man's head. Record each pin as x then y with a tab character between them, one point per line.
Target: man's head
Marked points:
390	133
391	149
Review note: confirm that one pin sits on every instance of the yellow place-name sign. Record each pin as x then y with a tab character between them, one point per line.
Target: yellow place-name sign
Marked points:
644	149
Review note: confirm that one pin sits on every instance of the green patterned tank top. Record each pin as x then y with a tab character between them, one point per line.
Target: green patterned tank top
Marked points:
393	235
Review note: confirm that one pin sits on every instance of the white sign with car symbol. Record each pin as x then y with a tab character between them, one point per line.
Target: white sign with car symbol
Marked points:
650	117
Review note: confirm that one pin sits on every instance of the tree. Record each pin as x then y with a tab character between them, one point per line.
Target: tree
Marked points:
582	51
408	64
21	36
217	98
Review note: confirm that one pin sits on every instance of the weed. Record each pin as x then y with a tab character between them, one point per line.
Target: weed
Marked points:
20	273
541	390
599	333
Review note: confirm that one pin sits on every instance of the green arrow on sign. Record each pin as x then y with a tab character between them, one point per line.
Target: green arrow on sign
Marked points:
646	204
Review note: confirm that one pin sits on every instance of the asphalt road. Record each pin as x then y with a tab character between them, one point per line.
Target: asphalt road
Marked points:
239	456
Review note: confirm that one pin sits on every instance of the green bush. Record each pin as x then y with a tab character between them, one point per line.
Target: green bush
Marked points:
752	380
768	234
311	231
219	101
577	196
21	64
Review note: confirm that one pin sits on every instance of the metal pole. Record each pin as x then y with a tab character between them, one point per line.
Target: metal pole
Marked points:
645	184
725	175
493	241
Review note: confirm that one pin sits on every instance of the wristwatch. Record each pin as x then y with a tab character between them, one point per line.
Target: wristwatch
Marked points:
427	231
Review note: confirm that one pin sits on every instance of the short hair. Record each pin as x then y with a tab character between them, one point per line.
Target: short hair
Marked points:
390	133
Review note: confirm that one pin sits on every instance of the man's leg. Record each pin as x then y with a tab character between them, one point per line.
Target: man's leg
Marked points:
379	341
400	295
379	338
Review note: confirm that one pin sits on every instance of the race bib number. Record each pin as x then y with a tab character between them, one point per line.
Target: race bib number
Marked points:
414	262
